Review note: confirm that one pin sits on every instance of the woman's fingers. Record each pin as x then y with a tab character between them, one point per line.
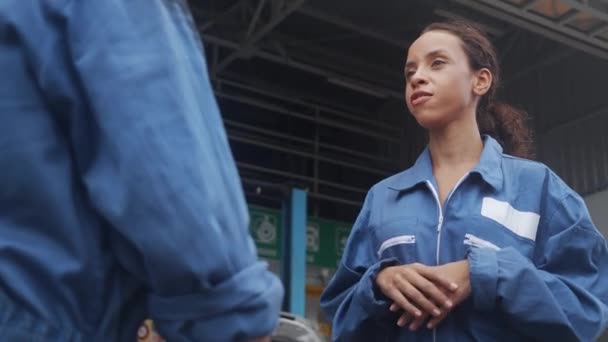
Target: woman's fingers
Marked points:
404	319
431	274
408	287
402	302
431	291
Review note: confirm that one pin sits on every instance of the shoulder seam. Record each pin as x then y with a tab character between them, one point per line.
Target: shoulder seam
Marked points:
508	156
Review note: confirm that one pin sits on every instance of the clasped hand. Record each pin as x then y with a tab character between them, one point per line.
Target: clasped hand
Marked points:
425	293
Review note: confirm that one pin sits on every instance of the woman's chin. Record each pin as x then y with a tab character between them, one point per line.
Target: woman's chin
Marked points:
430	121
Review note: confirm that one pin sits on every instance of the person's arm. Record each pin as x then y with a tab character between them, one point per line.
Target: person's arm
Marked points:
352	301
560	296
155	162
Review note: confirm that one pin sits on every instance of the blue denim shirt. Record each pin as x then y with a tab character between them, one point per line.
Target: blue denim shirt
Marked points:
119	196
538	266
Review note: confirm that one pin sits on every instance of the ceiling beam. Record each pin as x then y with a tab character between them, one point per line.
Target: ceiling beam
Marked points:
345	24
538	24
247	46
221	16
290	62
256	16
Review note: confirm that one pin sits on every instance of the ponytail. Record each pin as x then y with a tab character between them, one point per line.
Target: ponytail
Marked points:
501	121
508	126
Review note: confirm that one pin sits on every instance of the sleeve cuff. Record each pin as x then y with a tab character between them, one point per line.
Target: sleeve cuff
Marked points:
370	297
483	270
249	304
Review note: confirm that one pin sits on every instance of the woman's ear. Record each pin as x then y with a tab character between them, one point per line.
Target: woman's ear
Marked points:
482	82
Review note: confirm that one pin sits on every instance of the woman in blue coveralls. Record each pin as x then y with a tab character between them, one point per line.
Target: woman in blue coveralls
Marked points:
471	243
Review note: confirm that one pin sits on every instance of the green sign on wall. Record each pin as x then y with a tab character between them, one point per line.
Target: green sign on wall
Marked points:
265	228
325	243
341	234
325	239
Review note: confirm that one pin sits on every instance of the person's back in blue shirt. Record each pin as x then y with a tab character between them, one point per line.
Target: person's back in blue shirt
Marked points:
119	196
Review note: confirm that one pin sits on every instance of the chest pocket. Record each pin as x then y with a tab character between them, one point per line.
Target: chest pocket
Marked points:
487	233
397	239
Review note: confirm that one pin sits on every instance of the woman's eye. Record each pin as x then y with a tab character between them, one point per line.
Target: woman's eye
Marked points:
437	62
409	74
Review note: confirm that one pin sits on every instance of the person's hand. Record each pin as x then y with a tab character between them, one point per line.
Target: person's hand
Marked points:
417	289
456	272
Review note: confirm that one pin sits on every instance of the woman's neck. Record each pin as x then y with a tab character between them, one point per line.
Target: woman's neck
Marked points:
456	146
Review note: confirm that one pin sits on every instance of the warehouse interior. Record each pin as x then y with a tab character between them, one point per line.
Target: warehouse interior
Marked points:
311	92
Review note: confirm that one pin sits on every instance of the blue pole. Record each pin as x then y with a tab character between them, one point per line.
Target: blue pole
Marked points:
293	253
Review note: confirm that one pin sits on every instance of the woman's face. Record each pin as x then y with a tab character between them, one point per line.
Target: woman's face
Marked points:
439	81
